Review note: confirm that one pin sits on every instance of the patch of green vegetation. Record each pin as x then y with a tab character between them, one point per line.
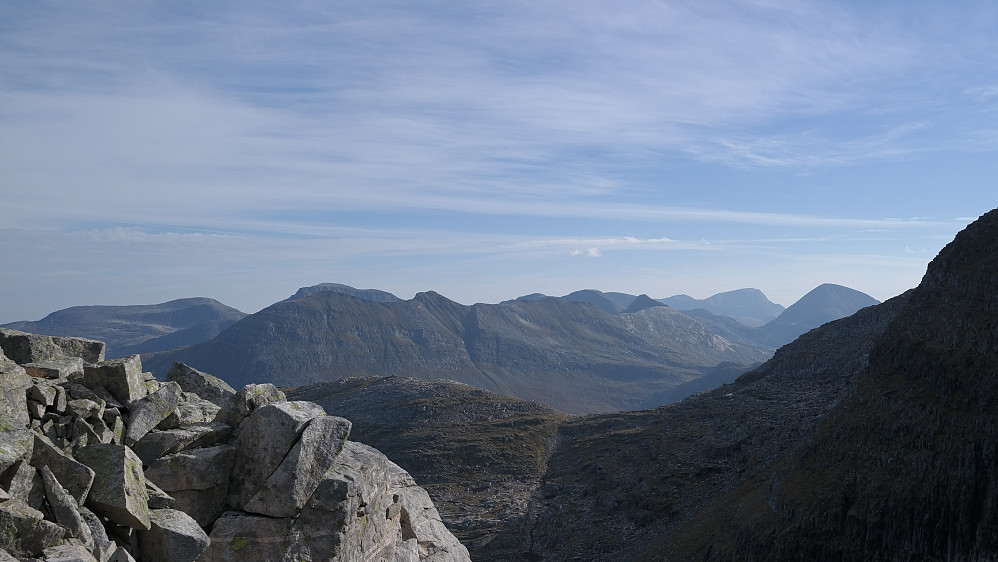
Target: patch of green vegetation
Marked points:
238	544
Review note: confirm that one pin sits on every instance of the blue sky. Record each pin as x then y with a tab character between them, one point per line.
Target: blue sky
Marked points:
485	150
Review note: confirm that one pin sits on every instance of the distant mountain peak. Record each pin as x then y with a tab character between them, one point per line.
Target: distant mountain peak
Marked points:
375	295
748	306
641	302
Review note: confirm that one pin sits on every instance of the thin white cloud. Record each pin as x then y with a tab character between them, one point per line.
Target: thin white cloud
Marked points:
242	110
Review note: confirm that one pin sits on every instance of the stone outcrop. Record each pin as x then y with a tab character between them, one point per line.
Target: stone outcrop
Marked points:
100	461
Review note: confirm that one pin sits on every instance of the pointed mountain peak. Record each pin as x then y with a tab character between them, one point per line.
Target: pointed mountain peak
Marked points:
641	302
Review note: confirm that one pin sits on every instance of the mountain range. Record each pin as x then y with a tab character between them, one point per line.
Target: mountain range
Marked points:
582	353
572	356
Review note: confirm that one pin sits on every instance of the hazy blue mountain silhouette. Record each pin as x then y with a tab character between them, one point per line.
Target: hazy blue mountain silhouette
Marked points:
139	328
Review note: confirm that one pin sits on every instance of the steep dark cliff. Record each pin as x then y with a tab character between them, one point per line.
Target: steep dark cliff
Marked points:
906	467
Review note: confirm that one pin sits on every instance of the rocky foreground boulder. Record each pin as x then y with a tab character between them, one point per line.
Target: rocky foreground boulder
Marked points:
102	462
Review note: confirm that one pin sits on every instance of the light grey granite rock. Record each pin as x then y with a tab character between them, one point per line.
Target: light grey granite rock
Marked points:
74	476
16	442
206	386
121	377
290	486
251	397
264	440
55	368
14	381
173	537
157	443
120	492
26	533
147	412
68	553
65	509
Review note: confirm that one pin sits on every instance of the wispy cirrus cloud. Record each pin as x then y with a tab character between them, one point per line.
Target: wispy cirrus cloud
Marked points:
229	109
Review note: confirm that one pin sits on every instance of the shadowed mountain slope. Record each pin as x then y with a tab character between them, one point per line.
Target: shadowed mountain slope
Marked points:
619	484
139	328
906	467
570	355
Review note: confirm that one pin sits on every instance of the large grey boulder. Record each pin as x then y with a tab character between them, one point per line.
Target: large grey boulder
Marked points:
156	443
91	351
290	486
120	492
198	480
244	402
366	507
16	442
14	381
147	412
121	377
74	476
206	386
23	347
172	537
197	469
264	440
191	409
239	537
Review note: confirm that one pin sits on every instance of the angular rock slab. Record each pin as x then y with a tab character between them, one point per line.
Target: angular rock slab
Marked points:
198	469
25	484
348	514
264	440
91	351
65	509
74	476
292	484
102	544
55	368
147	412
121	377
68	553
23	347
206	386
120	491
173	537
155	444
25	532
239	537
